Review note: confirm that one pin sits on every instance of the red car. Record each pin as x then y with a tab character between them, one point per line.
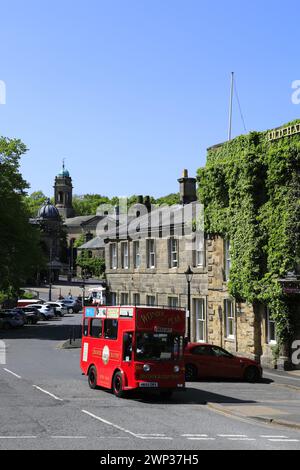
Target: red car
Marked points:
207	360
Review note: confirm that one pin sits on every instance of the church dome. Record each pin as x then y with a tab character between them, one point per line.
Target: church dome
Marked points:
63	173
48	211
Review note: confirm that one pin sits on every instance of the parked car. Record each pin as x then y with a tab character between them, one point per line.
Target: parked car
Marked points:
207	360
59	308
46	311
72	305
24	302
10	319
30	314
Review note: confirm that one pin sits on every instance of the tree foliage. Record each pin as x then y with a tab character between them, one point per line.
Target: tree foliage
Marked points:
250	188
34	202
89	203
19	241
91	265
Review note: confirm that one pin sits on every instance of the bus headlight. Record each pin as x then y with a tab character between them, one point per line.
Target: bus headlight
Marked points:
146	368
176	369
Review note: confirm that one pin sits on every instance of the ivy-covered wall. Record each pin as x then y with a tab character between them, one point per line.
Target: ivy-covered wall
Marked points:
250	188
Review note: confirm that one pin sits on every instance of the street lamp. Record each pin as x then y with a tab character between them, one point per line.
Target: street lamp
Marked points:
84	277
50	270
189	276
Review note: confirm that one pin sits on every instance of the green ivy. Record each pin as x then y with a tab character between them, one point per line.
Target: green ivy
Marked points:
250	188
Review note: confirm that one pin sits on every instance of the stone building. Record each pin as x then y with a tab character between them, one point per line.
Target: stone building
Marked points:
239	327
149	267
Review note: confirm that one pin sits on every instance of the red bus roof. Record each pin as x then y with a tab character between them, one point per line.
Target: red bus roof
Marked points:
159	319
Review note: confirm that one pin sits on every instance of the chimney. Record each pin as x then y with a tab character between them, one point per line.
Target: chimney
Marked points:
187	187
147	203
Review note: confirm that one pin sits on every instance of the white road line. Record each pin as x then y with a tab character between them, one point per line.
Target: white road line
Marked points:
47	393
18	437
241	439
12	373
232	435
283	440
153	438
116	426
275	437
68	437
201	438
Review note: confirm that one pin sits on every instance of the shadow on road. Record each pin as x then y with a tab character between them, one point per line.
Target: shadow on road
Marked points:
192	396
48	330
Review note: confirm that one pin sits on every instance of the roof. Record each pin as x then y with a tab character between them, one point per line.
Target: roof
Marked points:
77	221
162	218
94	244
48	211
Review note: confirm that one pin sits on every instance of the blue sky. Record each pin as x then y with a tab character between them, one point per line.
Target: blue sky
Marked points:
130	92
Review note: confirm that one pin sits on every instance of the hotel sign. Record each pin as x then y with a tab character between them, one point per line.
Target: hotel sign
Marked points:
284	132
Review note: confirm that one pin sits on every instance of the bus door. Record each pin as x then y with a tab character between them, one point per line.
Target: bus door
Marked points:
127	355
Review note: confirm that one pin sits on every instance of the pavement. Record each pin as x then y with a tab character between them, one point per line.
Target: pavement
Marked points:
279	404
45	403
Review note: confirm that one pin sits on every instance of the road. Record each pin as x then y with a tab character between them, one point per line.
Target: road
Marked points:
46	404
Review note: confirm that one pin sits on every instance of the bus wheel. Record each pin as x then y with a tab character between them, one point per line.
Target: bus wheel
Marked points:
117	385
92	377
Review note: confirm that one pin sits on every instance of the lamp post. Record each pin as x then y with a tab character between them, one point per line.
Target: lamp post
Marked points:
189	276
84	278
50	271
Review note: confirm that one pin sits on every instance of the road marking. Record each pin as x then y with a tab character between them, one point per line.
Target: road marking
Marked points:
18	437
12	373
68	437
232	435
116	426
275	437
201	438
153	438
47	393
241	439
120	428
283	440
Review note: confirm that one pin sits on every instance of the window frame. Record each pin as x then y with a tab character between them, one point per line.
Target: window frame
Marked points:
173	250
136	254
115	337
227	259
229	319
203	320
269	321
125	255
91	328
147	300
151	254
171	302
114	256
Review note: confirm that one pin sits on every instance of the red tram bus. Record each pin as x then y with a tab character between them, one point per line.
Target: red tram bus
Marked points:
130	348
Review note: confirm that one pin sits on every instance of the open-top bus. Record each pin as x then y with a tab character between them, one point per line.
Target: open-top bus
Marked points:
129	348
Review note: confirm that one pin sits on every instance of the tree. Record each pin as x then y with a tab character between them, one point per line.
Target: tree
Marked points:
34	202
93	266
20	252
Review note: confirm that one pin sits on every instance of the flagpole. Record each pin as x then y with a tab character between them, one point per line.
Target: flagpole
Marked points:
230	106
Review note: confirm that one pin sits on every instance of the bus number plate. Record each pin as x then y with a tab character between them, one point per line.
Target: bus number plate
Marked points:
148	384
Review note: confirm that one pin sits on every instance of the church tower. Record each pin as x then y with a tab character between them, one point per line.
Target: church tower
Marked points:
63	193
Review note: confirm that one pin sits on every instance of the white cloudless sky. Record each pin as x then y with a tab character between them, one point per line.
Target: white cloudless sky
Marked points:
130	92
